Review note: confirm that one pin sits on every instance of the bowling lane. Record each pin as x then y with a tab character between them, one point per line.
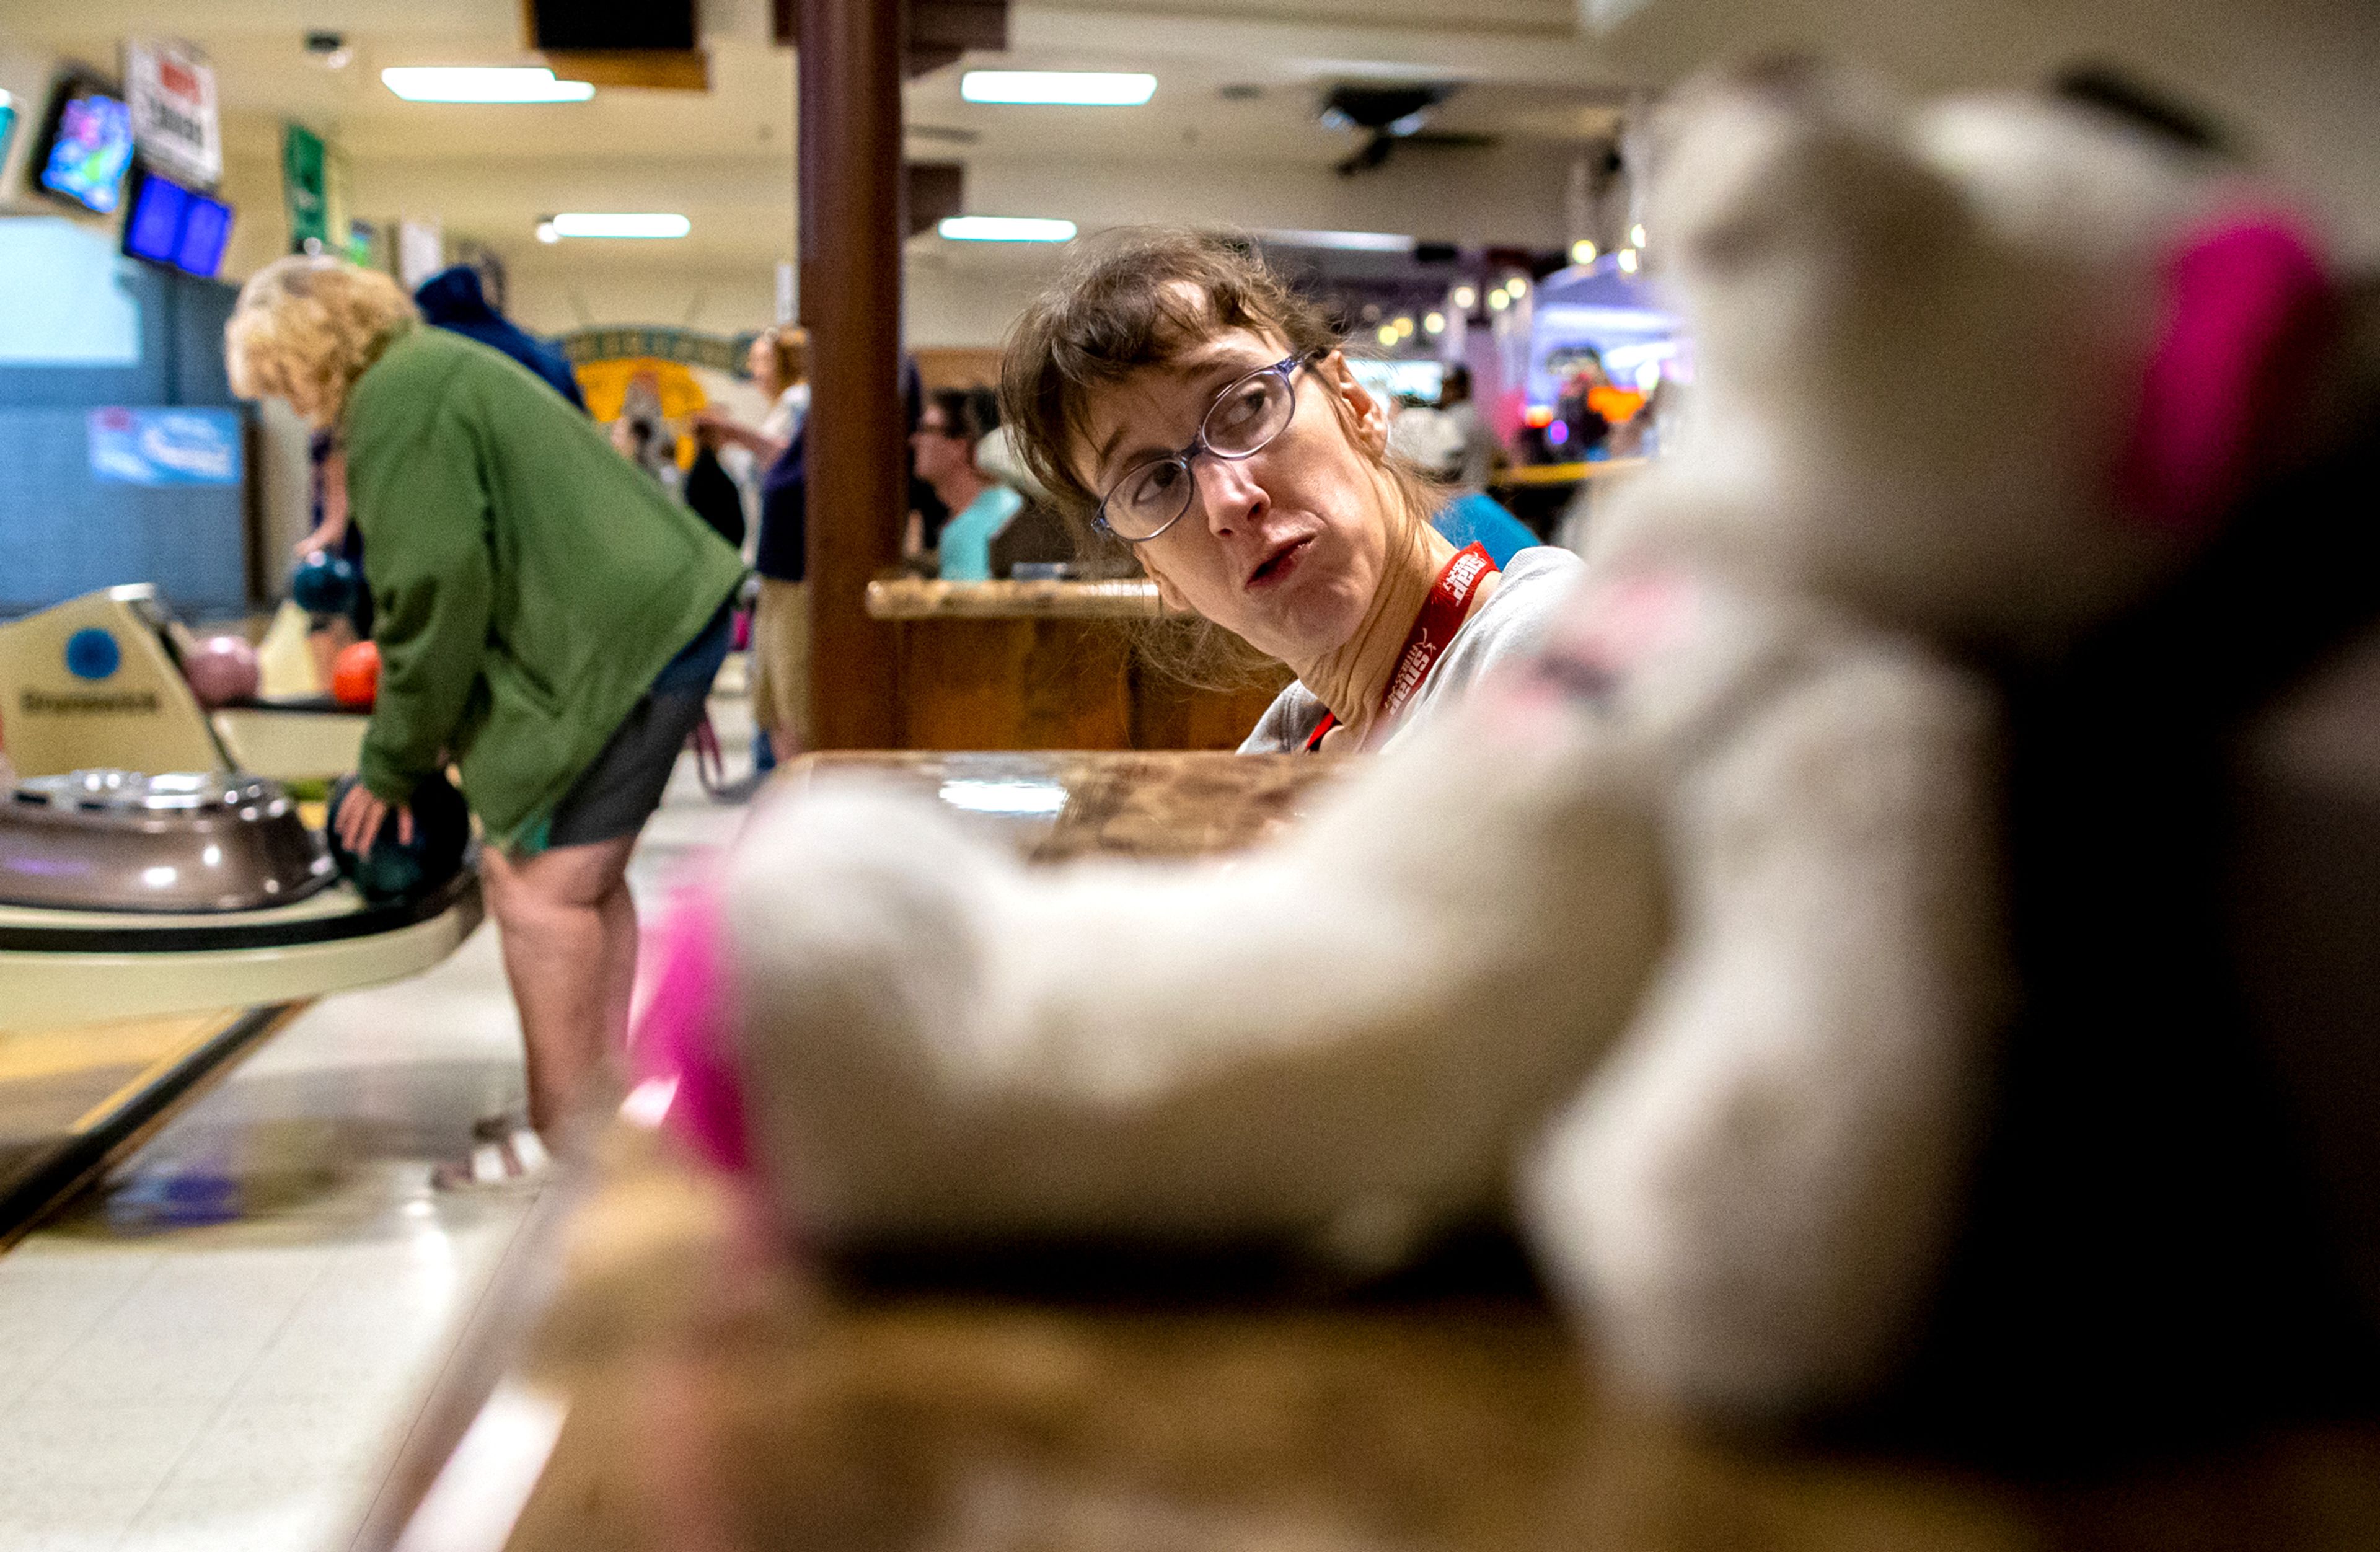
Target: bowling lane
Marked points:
74	1098
226	1342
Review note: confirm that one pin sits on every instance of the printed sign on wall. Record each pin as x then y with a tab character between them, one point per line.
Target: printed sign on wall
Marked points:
164	446
172	90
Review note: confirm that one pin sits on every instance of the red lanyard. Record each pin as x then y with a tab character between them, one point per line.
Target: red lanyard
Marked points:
1433	632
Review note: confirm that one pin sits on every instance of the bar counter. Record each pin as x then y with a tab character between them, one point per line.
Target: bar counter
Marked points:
922	598
1046	665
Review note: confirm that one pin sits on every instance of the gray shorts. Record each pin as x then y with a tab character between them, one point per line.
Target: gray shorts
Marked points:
616	794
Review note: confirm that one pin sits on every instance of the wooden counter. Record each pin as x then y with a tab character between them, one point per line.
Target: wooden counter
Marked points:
1047	665
1050	806
922	598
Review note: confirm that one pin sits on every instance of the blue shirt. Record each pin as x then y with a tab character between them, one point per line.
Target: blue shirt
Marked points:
451	299
967	537
1477	519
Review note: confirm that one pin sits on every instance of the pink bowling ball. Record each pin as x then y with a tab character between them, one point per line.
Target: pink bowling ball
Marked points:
221	670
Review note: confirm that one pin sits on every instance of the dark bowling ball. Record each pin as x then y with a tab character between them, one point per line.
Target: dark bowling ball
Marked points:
393	871
323	584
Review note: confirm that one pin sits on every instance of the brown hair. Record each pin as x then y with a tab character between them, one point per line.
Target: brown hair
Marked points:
1142	297
970	414
789	347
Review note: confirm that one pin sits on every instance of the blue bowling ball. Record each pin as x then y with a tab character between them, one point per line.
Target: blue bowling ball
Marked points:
324	584
391	871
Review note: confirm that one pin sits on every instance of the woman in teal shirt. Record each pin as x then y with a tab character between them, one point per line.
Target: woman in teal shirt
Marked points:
954	420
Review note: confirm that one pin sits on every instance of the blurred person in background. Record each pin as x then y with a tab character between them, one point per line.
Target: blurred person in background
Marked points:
1425	438
453	299
1639	436
329	635
711	492
1476	448
1584	427
1173	391
1436	442
942	449
642	433
779	362
548	622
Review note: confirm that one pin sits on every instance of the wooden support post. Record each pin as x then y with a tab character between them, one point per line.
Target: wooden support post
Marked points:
848	80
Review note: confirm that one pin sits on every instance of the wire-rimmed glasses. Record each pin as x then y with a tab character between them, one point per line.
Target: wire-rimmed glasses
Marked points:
1150	497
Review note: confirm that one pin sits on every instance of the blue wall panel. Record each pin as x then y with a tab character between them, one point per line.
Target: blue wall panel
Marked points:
62	533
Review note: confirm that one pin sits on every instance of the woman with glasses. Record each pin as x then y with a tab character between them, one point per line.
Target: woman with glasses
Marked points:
943	448
1171	392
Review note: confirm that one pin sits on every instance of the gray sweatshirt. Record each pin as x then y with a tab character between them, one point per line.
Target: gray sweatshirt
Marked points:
1512	621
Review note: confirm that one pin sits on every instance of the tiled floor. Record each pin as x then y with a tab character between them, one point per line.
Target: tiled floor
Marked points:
242	1384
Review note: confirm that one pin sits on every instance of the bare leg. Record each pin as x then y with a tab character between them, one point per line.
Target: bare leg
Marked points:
569	933
619	909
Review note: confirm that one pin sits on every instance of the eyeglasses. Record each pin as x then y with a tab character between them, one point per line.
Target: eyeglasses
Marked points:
1152	496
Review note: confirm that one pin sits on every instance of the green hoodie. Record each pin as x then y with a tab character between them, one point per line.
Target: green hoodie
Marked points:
529	581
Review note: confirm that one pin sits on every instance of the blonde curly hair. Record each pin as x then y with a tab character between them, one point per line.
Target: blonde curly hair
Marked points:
306	328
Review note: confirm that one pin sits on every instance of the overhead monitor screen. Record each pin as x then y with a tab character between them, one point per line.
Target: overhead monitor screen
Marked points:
204	232
170	224
152	230
88	147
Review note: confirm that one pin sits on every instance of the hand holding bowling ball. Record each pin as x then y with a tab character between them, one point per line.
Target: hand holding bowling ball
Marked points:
355	676
323	584
394	854
221	670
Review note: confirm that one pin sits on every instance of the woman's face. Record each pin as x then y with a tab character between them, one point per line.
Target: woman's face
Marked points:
1284	548
937	453
761	362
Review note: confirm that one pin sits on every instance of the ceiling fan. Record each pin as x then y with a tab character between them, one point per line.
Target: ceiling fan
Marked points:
1393	116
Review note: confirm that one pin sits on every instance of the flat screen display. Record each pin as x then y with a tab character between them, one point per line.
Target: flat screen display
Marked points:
205	231
565	25
153	228
88	147
181	227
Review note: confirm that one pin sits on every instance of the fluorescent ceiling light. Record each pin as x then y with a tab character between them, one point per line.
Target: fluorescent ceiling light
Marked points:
1080	89
1005	228
483	83
583	224
1359	242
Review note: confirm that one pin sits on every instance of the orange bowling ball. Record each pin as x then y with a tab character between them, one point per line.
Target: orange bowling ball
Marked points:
355	676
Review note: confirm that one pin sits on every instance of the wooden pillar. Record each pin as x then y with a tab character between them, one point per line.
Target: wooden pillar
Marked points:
848	80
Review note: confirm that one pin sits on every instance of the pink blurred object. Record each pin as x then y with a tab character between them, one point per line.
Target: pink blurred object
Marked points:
221	669
681	1044
742	639
2245	301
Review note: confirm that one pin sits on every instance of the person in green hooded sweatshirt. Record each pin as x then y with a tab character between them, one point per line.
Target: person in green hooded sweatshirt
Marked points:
548	621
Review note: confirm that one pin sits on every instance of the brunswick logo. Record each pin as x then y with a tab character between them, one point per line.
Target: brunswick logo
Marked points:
40	703
1464	572
1416	663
